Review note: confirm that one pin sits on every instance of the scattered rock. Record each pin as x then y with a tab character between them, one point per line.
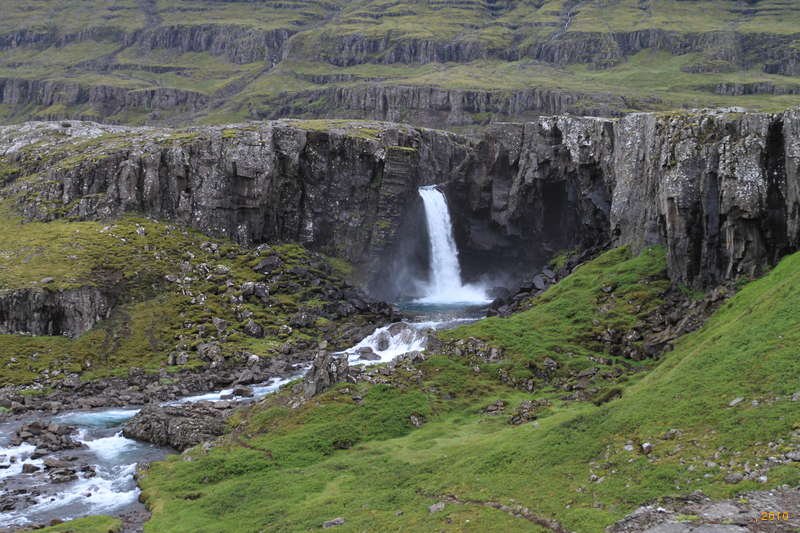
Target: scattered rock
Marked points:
332	523
672	434
734	478
253	329
436	507
242	390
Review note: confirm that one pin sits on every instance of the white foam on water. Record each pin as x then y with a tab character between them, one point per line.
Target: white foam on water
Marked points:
21	453
111	489
444	284
115	462
259	390
394	340
109	448
389	342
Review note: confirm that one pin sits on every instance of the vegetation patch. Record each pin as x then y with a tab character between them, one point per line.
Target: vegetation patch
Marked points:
352	453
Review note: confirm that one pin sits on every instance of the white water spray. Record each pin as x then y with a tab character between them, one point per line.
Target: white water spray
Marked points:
444	285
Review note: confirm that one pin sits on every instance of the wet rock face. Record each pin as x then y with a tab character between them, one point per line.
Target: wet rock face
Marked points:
720	191
44	312
528	190
339	193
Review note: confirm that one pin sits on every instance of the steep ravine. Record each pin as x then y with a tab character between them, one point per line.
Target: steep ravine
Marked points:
721	191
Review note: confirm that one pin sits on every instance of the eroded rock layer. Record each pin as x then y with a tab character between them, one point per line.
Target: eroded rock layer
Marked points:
720	190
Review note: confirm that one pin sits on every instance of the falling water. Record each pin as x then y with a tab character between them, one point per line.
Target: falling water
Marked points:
444	283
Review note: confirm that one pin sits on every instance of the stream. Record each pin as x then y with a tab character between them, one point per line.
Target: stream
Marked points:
109	486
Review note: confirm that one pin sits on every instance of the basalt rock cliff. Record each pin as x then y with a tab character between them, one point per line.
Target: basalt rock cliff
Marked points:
472	62
720	190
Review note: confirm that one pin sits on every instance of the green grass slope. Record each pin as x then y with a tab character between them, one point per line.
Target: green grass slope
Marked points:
154	317
353	452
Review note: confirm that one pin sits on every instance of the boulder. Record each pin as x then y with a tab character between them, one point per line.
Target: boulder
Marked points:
268	265
326	370
367	354
242	390
253	329
178	426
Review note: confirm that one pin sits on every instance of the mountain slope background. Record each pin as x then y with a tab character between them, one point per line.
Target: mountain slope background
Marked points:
427	62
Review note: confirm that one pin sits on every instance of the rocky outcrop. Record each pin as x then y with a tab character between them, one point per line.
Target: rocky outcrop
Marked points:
697	513
355	49
47	437
741	89
106	99
340	191
528	190
327	370
719	190
434	106
238	44
179	426
722	192
600	49
67	312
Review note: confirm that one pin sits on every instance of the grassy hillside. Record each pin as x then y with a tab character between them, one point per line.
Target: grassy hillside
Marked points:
237	60
169	284
354	452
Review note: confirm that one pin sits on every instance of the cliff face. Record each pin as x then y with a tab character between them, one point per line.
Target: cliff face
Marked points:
720	191
723	192
433	106
427	63
106	99
342	191
61	312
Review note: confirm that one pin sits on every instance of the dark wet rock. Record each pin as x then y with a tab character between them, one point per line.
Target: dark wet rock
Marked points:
178	426
62	475
47	438
367	354
268	265
253	329
242	390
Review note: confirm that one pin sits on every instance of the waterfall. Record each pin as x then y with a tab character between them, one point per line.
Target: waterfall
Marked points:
444	282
